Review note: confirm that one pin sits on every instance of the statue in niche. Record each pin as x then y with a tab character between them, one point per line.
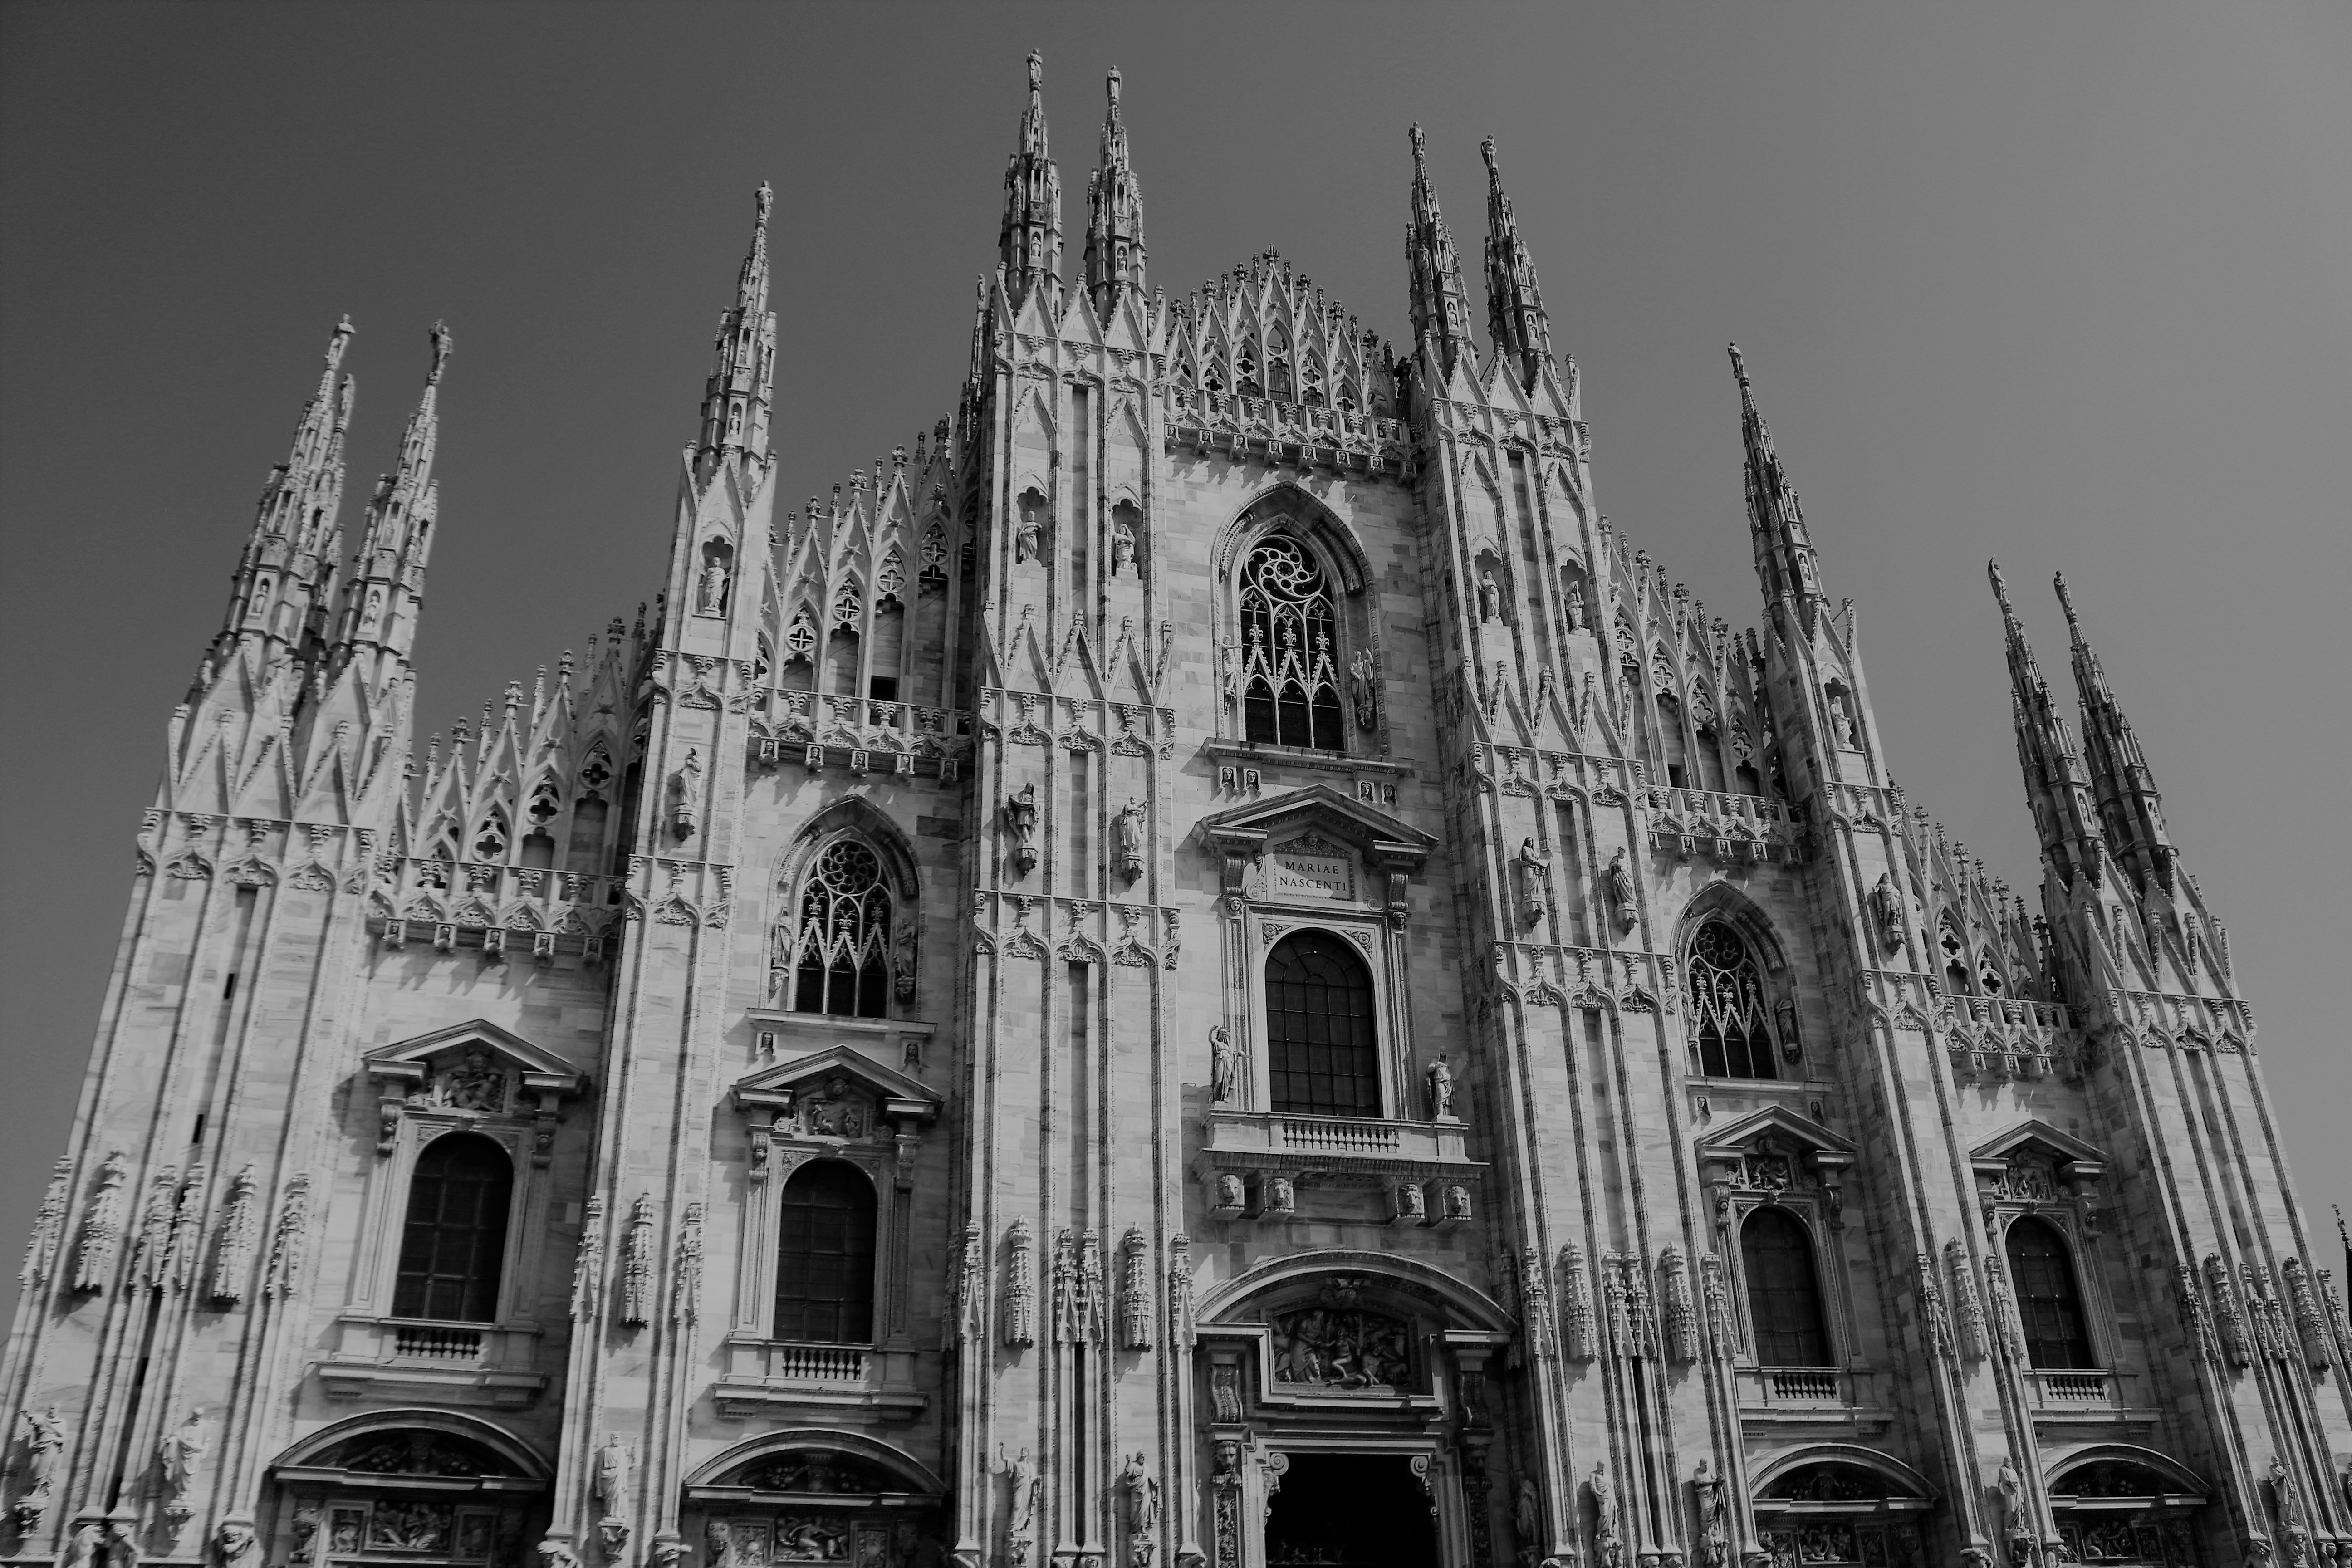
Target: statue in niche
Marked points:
1534	869
1122	546
1621	890
177	1456
1441	1089
474	1084
1576	620
710	590
1490	599
1526	1512
611	1480
1224	1066
684	810
1142	1497
2015	1523
1714	1517
1364	693
1021	816
1784	1014
1608	1543
1887	908
1029	533
1127	837
1022	1499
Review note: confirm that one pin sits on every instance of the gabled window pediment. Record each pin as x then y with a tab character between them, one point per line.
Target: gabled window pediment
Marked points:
456	1066
1317	811
837	1075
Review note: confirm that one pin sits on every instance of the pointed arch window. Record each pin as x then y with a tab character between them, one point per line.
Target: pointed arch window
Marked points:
824	1256
1320	1027
1290	653
2057	1335
842	944
454	1237
1731	1027
1784	1293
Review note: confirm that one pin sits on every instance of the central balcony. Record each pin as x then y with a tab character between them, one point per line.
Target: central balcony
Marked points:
1258	1164
771	1376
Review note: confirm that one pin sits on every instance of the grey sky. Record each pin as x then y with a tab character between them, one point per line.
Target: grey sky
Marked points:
2063	284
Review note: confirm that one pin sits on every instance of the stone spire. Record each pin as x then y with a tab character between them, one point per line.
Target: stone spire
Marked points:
1785	563
2120	780
283	578
735	402
1029	246
2057	786
1515	310
387	585
1441	310
1113	262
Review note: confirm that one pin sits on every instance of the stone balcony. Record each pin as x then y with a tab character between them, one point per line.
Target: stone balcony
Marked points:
1256	1163
772	1377
451	1363
1811	1395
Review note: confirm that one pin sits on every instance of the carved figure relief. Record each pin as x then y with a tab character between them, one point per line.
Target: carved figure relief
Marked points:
1343	1347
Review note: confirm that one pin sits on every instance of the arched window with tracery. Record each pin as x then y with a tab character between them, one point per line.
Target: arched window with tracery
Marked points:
1731	1029
1784	1293
824	1256
453	1245
1321	1028
841	958
2057	1335
1290	648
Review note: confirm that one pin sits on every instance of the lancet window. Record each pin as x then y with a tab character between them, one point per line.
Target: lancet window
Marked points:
1290	654
2057	1335
824	1256
1731	1026
841	944
454	1238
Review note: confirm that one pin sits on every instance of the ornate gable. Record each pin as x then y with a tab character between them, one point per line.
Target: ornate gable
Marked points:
470	1071
1327	833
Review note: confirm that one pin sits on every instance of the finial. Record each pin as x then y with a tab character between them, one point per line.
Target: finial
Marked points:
1419	150
441	346
763	199
2066	602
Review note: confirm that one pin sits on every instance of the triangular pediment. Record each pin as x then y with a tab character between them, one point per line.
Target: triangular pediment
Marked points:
896	1094
2063	1147
1802	1132
1383	839
411	1060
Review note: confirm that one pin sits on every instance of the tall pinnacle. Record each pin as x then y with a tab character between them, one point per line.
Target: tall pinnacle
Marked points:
1029	246
1515	310
287	566
1113	262
386	589
2056	786
736	399
1785	563
2120	779
1441	310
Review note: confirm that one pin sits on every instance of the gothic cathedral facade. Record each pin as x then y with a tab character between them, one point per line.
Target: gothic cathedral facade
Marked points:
1206	970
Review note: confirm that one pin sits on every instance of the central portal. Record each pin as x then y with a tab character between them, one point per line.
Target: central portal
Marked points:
1350	1510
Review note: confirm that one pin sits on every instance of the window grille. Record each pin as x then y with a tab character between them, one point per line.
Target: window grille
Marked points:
1290	649
1320	1027
1731	1027
452	1246
824	1260
843	946
2057	1337
1784	1294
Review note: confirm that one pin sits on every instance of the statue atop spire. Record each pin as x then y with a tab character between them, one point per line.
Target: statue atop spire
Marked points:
1514	308
735	402
1113	262
2056	786
287	568
1029	246
1785	563
1441	310
2121	781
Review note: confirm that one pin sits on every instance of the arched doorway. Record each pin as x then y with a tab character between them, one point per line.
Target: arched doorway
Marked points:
812	1496
2119	1508
1351	1511
1834	1511
1351	1415
417	1489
